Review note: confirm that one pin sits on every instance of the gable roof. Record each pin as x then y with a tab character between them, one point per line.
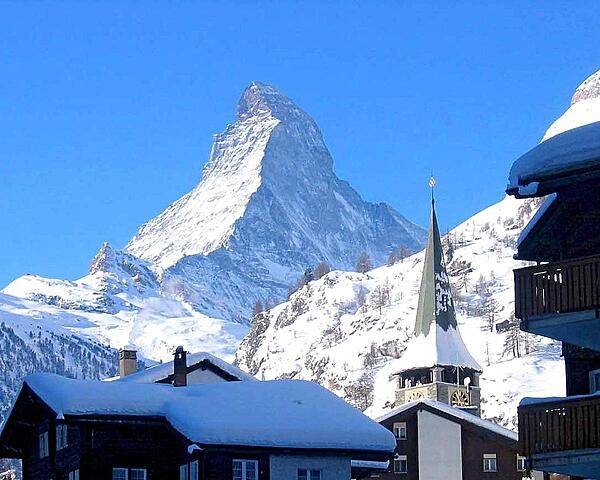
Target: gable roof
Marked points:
278	414
437	338
164	370
456	413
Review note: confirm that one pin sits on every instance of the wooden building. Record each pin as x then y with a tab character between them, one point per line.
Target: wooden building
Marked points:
66	429
438	441
559	297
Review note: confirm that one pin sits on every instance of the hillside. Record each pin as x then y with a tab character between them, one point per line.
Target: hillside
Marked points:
346	329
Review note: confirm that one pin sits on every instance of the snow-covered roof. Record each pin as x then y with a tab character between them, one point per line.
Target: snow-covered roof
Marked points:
574	150
573	398
279	413
163	370
439	347
456	413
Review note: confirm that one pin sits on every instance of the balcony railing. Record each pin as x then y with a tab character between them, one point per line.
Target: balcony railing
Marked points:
559	425
560	287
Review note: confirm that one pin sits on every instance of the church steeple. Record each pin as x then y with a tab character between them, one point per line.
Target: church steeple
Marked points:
437	356
435	297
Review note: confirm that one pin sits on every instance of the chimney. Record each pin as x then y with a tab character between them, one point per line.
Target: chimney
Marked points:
127	361
180	367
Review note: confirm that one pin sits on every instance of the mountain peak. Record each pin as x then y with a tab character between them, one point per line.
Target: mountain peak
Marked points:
590	88
259	98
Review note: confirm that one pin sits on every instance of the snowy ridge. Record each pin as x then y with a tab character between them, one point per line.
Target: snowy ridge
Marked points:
584	108
349	331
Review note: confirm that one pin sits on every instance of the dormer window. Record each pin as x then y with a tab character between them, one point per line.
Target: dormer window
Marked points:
400	430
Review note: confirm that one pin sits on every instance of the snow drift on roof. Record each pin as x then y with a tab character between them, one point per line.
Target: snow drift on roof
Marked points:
440	347
570	151
457	413
158	372
280	413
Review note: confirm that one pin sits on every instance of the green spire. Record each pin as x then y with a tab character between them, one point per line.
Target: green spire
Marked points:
435	298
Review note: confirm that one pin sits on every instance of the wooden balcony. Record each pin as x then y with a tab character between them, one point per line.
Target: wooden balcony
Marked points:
562	436
551	298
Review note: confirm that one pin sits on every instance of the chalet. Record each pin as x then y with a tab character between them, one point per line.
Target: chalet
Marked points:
66	429
436	421
559	297
438	441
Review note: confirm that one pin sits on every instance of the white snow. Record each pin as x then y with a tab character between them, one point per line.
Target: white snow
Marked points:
440	347
286	413
456	413
570	143
567	152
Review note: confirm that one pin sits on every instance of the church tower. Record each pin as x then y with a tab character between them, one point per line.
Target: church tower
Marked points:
437	365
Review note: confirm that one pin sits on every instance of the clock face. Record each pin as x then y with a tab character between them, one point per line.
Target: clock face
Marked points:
459	399
415	396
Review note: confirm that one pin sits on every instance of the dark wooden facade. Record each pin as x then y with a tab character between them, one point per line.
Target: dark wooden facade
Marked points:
560	299
98	443
476	441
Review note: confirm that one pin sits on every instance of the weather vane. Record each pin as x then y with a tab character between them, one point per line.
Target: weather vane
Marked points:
432	182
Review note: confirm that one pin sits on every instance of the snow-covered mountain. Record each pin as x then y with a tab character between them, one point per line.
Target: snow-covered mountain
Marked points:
120	303
347	330
269	205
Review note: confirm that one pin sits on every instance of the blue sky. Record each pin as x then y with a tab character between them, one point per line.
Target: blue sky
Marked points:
107	109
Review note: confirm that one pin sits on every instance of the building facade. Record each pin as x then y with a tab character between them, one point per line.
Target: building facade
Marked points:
67	429
559	297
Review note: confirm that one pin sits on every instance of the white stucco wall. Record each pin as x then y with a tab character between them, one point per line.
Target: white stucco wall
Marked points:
440	452
285	467
202	376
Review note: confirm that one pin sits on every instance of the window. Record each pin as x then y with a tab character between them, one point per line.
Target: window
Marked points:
74	475
194	470
61	436
309	474
43	444
120	474
521	467
594	381
400	464
137	474
400	430
245	470
489	462
183	472
189	471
